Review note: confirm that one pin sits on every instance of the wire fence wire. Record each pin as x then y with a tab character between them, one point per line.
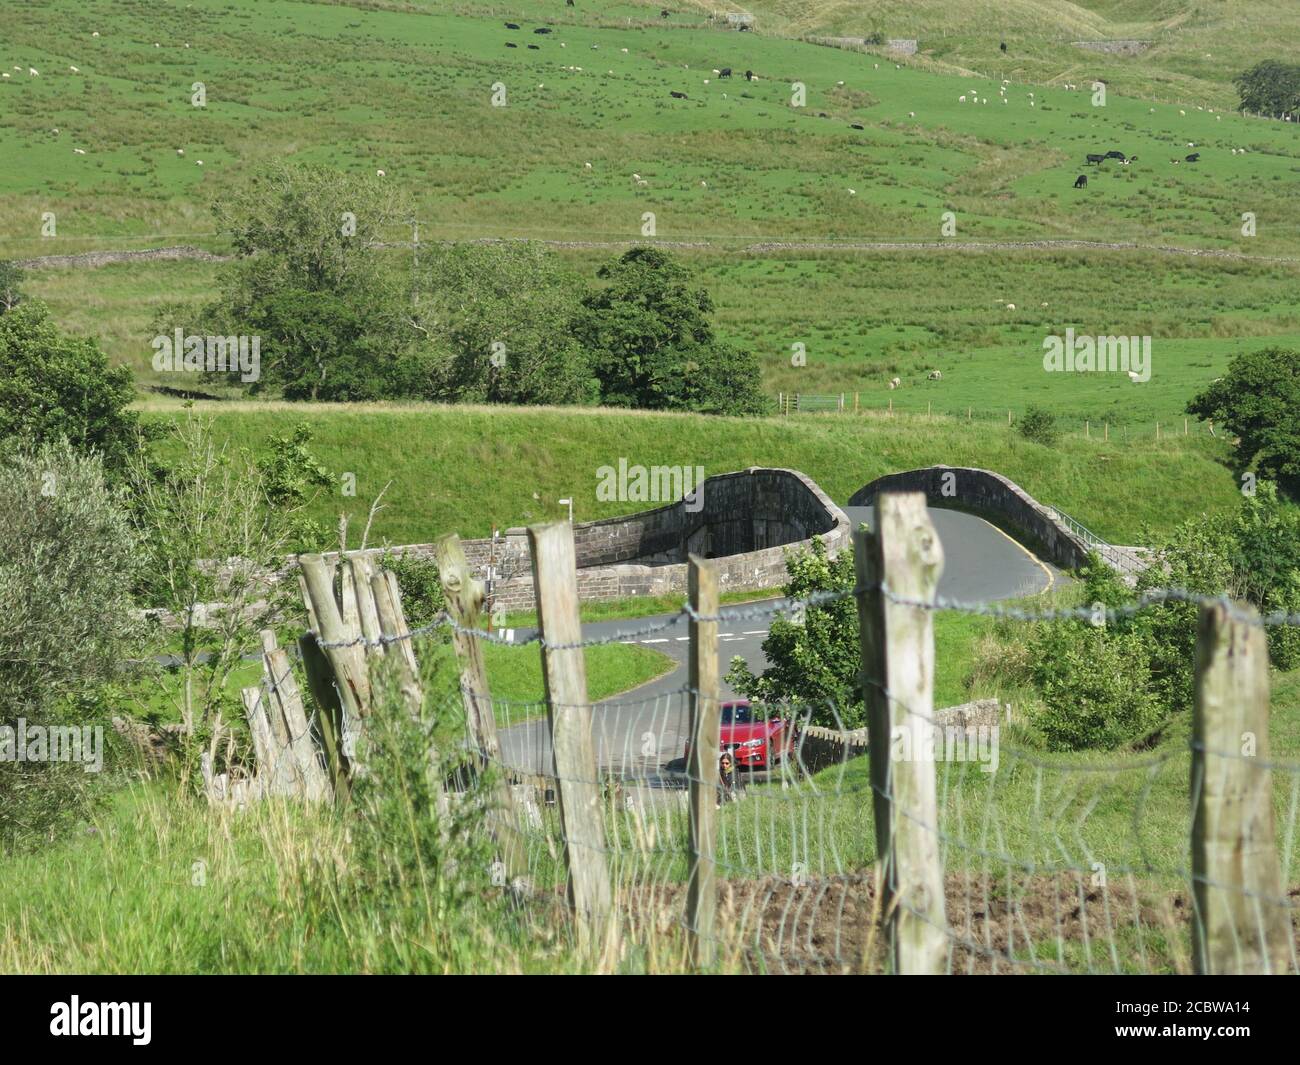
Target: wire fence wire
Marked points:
1060	863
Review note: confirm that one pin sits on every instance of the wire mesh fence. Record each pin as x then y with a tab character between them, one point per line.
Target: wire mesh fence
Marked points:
674	830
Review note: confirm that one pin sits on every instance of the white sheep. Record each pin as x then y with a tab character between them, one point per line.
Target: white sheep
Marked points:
79	151
911	114
180	151
1134	377
961	99
95	34
1011	306
74	70
852	192
198	162
935	375
33	72
642	183
380	173
586	166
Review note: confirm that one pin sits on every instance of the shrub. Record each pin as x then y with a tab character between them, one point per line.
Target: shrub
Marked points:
1091	685
59	387
67	564
1039	426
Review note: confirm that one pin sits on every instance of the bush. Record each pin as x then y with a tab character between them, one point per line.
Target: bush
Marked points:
1091	685
1039	426
58	387
67	564
421	588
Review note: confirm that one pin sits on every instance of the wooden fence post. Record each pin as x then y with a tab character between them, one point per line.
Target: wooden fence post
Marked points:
1240	914
464	603
320	680
289	722
904	556
348	663
564	672
702	768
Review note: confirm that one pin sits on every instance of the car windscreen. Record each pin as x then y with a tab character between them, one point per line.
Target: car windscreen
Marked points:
737	715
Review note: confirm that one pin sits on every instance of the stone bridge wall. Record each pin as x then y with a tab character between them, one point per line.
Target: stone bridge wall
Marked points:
991	496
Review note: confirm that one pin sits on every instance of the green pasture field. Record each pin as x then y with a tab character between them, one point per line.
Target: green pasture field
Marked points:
866	318
409	92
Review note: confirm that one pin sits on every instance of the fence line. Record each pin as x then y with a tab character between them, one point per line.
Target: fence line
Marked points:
986	856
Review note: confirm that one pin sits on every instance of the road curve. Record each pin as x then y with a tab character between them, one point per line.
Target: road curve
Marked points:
642	730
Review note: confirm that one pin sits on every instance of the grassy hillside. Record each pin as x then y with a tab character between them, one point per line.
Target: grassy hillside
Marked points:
464	468
867	318
409	92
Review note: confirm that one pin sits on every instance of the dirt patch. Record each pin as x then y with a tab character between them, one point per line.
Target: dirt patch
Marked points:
1040	924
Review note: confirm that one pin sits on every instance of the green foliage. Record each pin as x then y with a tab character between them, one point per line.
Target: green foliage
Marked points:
11	276
1086	678
653	344
67	563
422	596
54	386
504	313
1142	667
814	666
1258	400
1040	426
421	862
1270	87
211	533
293	477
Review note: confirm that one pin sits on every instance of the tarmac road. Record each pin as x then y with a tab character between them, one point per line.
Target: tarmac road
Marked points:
642	731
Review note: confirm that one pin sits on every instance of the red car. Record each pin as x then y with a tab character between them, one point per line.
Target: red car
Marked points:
753	744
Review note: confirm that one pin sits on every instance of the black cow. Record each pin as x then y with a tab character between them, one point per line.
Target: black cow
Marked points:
535	48
542	29
822	114
1096	159
568	3
1115	155
663	13
512	25
511	44
1004	46
725	72
1194	157
749	75
854	125
1081	182
678	95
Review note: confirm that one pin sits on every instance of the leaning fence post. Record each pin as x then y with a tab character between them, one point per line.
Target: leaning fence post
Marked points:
702	768
1240	916
340	641
464	602
896	567
320	680
564	672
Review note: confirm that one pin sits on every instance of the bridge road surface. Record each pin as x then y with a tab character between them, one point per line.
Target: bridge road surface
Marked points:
641	731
